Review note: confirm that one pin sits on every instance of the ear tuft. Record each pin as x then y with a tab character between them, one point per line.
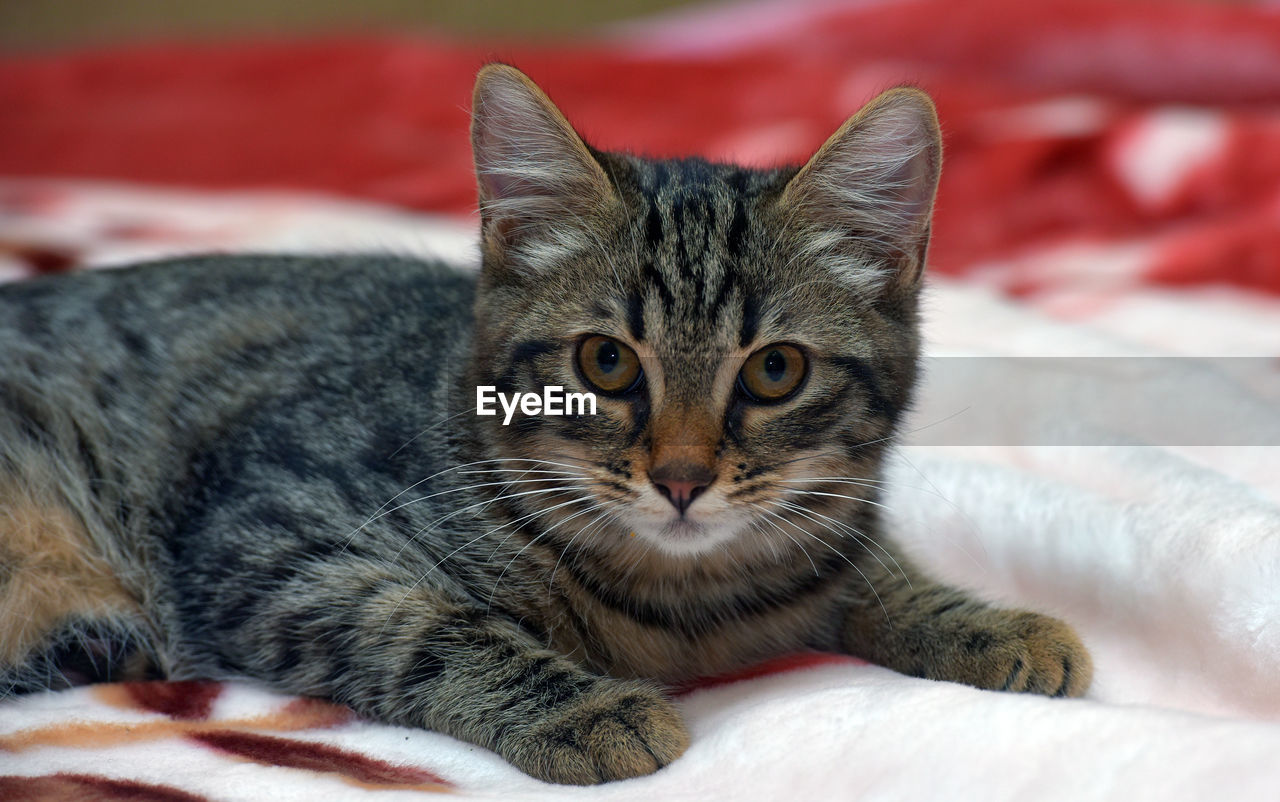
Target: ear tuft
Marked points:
865	199
537	179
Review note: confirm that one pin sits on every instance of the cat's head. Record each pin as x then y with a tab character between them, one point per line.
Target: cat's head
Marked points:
749	335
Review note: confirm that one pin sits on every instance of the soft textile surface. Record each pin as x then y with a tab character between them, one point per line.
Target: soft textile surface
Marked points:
1112	193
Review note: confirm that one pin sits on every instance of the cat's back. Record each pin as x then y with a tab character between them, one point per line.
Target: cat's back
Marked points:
189	321
152	364
191	297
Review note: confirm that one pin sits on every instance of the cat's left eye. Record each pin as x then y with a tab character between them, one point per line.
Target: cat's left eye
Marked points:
608	365
773	372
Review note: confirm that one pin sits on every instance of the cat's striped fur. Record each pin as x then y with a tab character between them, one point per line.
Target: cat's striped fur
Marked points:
270	466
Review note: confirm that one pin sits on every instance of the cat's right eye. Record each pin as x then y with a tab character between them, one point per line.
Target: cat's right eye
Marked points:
608	365
773	372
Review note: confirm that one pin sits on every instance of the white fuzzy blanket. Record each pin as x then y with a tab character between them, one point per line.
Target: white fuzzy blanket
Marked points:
1165	557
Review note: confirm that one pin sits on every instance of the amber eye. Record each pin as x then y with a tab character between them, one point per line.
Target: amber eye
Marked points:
772	372
608	365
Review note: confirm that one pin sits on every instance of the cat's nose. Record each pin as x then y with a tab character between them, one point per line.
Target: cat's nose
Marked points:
681	482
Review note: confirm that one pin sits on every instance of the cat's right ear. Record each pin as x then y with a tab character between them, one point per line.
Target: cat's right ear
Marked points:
540	189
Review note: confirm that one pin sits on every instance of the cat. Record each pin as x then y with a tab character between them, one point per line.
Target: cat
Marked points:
272	466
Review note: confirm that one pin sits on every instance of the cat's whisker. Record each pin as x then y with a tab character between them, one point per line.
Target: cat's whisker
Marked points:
519	471
594	506
524	472
579	461
470	507
351	535
803	550
614	517
527	517
845	525
956	507
467	488
575	476
442	473
603	516
836	551
630	568
755	527
875	483
895	436
819	455
410	441
840	529
861	537
534	514
793	492
466	545
391	500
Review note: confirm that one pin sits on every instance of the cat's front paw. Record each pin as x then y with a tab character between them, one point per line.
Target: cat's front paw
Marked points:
1010	650
615	731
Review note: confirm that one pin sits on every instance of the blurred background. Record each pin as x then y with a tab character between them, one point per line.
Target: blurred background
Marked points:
1092	145
60	23
55	23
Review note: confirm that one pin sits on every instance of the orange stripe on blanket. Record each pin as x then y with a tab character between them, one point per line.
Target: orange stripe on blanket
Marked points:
301	714
88	788
187	700
357	769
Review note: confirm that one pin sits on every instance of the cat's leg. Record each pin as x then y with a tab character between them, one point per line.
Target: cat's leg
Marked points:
923	628
80	652
65	618
349	630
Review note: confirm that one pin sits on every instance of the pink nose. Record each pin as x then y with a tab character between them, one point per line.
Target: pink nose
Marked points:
681	482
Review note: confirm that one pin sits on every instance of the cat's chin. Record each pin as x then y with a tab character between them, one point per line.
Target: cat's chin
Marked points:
681	537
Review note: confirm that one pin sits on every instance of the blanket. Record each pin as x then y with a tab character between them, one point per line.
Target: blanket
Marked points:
1107	230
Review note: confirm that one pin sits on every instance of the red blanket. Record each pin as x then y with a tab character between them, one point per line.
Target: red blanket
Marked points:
1064	120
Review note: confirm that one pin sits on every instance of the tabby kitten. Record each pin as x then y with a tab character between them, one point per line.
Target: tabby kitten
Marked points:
273	467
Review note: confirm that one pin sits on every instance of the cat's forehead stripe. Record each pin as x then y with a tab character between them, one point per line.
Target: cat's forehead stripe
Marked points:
635	316
750	320
696	223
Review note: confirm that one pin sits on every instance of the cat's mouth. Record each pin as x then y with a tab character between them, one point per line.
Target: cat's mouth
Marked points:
688	535
683	529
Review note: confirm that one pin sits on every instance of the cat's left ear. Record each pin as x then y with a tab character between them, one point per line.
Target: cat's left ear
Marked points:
865	199
539	185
